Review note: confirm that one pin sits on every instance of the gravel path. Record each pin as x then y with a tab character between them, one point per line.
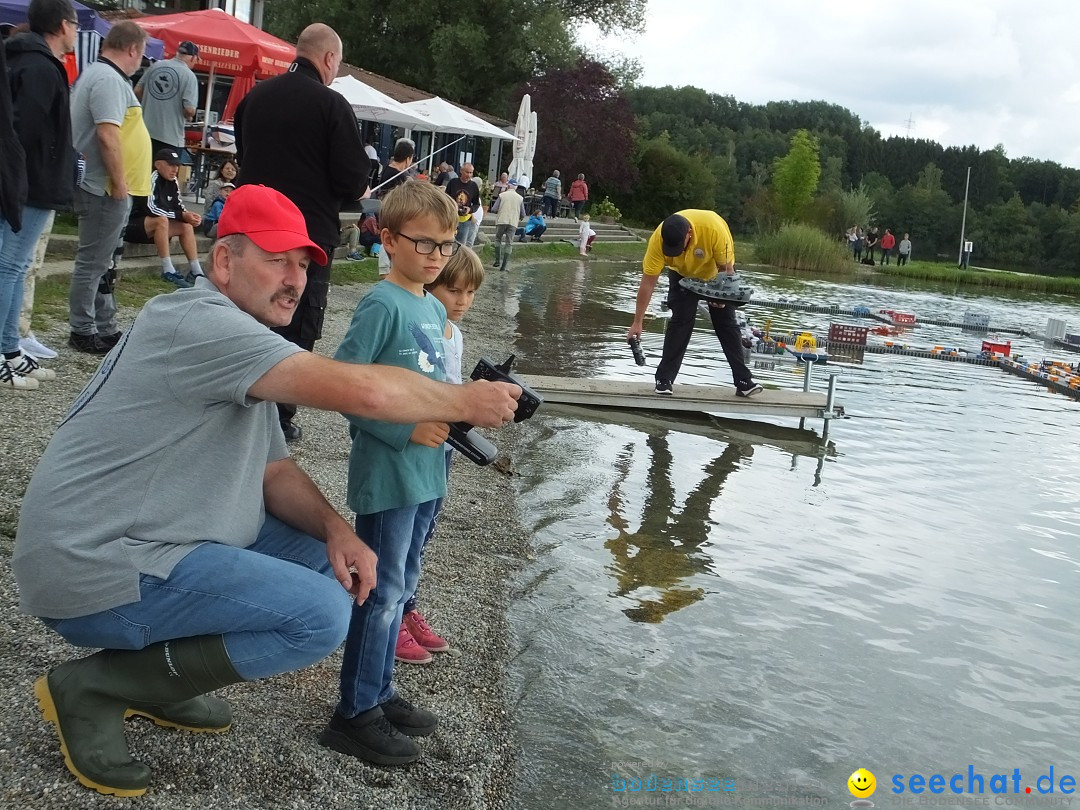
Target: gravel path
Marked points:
271	758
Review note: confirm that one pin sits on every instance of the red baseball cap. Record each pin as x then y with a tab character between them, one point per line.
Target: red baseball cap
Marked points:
269	219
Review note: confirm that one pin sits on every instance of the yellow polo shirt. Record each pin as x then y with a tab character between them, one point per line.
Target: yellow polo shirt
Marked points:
710	246
136	152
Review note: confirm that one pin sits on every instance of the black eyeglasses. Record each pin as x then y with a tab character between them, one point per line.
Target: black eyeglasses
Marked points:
425	247
74	22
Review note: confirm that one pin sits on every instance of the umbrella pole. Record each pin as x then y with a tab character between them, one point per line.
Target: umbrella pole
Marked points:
206	112
421	161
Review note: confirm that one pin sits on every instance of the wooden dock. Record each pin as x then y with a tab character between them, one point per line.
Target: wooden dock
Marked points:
701	398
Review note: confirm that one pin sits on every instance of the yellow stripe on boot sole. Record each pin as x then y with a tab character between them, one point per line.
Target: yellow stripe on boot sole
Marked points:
160	721
48	711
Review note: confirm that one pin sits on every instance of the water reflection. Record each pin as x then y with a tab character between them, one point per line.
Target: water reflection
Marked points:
652	563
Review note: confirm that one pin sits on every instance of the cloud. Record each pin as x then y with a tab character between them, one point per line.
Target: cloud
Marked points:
1001	71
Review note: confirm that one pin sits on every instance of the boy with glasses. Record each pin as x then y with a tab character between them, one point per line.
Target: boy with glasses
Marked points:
397	473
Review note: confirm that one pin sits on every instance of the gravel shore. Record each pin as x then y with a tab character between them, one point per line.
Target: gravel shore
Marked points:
270	758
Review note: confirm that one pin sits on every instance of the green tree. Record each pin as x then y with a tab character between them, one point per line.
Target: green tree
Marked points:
795	176
668	181
592	110
471	53
846	209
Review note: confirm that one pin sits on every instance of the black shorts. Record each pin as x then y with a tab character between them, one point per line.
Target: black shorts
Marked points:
135	232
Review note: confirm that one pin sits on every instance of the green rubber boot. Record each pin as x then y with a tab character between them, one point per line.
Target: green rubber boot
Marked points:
498	254
87	701
200	714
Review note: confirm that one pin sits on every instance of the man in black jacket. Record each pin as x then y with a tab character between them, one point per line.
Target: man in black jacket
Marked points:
296	135
42	121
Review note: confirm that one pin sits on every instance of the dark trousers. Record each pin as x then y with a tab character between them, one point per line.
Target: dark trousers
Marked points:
901	259
579	206
307	321
885	252
551	206
684	308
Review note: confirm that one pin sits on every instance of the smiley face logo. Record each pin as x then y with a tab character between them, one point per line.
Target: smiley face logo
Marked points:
862	784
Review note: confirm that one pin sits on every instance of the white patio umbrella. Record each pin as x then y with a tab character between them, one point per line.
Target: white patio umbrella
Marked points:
521	133
442	116
530	145
373	105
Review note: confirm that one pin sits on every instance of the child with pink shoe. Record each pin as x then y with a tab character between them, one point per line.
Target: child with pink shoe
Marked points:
455	287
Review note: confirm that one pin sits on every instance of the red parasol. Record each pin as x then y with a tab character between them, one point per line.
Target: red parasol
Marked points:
227	45
241	86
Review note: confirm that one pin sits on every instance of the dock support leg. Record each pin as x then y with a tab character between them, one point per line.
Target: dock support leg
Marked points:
830	399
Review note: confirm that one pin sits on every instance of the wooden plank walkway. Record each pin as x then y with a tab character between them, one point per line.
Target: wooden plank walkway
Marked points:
703	398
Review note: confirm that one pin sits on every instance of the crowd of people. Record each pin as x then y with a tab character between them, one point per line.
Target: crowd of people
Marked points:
265	576
870	246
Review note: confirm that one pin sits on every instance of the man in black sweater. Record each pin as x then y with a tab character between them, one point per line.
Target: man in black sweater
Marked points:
466	195
296	135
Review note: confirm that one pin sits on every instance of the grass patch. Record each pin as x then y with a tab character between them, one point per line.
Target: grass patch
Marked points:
66	223
994	279
365	271
134	290
564	250
802	247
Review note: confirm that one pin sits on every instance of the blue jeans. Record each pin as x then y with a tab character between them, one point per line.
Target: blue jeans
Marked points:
397	537
276	603
410	603
16	254
463	231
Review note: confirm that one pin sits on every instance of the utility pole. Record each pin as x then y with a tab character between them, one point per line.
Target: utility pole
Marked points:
910	125
963	219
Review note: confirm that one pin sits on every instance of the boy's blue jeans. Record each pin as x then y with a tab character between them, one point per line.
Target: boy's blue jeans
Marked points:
276	603
397	537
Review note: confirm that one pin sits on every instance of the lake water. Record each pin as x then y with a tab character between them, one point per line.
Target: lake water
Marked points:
733	603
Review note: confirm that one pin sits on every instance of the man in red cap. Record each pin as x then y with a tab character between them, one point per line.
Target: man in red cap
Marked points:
190	547
692	244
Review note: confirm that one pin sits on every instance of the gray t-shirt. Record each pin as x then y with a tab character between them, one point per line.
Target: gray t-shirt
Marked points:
102	95
162	451
167	87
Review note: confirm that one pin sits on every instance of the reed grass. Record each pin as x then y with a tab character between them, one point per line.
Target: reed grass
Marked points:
802	247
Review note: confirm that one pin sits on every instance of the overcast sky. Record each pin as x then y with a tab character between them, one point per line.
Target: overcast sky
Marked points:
964	71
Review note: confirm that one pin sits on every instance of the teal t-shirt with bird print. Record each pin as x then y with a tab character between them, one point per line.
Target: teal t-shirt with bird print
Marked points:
391	326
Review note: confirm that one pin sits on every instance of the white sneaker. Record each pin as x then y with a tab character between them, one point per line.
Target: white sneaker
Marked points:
35	348
10	381
27	366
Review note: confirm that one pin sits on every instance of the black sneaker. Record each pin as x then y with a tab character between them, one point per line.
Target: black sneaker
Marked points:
111	340
292	431
749	392
88	344
664	387
408	719
371	737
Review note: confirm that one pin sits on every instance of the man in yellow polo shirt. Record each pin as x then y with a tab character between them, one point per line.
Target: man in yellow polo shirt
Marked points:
695	244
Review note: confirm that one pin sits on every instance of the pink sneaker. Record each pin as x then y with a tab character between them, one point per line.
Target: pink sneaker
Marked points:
421	631
408	651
